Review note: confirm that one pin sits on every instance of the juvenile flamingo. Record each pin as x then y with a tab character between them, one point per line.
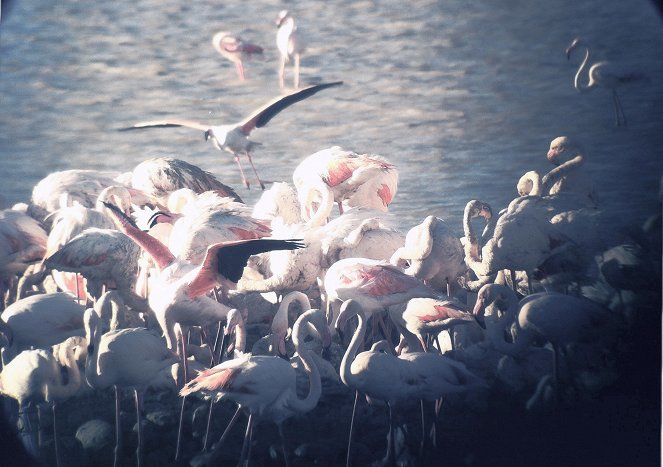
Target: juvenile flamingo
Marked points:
235	49
234	138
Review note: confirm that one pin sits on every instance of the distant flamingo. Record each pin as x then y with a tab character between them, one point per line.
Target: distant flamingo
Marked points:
179	292
264	386
432	253
126	358
34	377
234	138
345	177
290	45
235	49
392	379
601	74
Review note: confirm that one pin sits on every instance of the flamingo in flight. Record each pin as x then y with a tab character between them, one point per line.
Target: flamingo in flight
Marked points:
234	138
235	49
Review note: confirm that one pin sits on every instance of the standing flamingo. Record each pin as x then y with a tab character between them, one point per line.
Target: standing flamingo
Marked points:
570	174
34	377
433	254
126	358
601	74
235	49
290	44
264	386
234	138
383	376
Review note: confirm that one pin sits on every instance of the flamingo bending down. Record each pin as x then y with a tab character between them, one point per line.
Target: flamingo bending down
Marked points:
234	138
179	292
290	45
34	377
601	74
383	376
235	49
264	386
433	254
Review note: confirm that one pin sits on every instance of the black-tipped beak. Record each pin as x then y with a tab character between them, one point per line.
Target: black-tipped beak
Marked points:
207	135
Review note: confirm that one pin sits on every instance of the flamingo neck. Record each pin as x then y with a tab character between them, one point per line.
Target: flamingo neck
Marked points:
345	371
93	337
280	320
500	319
321	214
306	355
63	391
581	70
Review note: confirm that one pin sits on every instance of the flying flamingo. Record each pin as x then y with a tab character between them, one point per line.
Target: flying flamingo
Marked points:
34	377
264	386
392	379
160	176
179	292
433	254
345	177
234	138
601	74
290	45
235	49
126	358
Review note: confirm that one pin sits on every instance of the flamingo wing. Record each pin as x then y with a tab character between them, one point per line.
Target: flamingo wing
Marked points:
264	114
175	122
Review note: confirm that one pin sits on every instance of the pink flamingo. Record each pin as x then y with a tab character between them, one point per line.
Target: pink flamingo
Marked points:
179	293
383	376
290	44
234	138
235	49
264	386
345	177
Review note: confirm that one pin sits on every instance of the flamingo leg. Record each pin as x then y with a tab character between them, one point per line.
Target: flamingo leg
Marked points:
283	446
55	437
352	424
179	430
139	420
241	172
255	172
282	72
296	71
216	446
118	429
620	118
240	70
243	460
390	456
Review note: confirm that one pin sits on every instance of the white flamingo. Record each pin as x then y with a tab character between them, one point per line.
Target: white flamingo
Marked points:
235	49
392	379
290	44
264	386
234	138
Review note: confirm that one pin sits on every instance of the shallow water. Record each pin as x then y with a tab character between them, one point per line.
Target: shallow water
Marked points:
462	96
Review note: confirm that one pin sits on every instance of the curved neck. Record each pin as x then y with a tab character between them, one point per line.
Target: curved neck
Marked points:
562	170
321	214
63	391
306	355
93	338
468	230
110	307
500	314
116	195
280	320
581	69
351	352
530	184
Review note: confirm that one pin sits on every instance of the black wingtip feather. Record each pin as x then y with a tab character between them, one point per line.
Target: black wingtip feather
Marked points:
120	214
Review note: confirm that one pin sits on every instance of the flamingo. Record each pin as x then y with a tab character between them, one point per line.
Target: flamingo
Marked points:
234	138
264	386
348	178
104	257
429	316
179	293
601	74
126	358
570	174
432	253
34	376
383	376
290	45
43	320
160	176
235	49
278	204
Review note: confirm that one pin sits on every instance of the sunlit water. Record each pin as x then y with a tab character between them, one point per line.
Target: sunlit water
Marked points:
463	97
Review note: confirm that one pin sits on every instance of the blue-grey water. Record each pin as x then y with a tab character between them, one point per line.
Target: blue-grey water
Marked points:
463	97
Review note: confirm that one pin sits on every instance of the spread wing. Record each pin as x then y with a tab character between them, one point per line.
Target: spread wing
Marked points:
264	114
167	123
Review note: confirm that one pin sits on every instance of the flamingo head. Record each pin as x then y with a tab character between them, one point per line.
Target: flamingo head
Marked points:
283	14
574	43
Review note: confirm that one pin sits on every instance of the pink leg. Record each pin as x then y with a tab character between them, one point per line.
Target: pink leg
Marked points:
240	70
241	171
262	185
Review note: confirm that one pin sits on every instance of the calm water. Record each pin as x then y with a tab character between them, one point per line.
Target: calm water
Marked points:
462	96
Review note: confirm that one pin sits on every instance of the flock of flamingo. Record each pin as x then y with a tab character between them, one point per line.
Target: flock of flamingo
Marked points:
162	279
